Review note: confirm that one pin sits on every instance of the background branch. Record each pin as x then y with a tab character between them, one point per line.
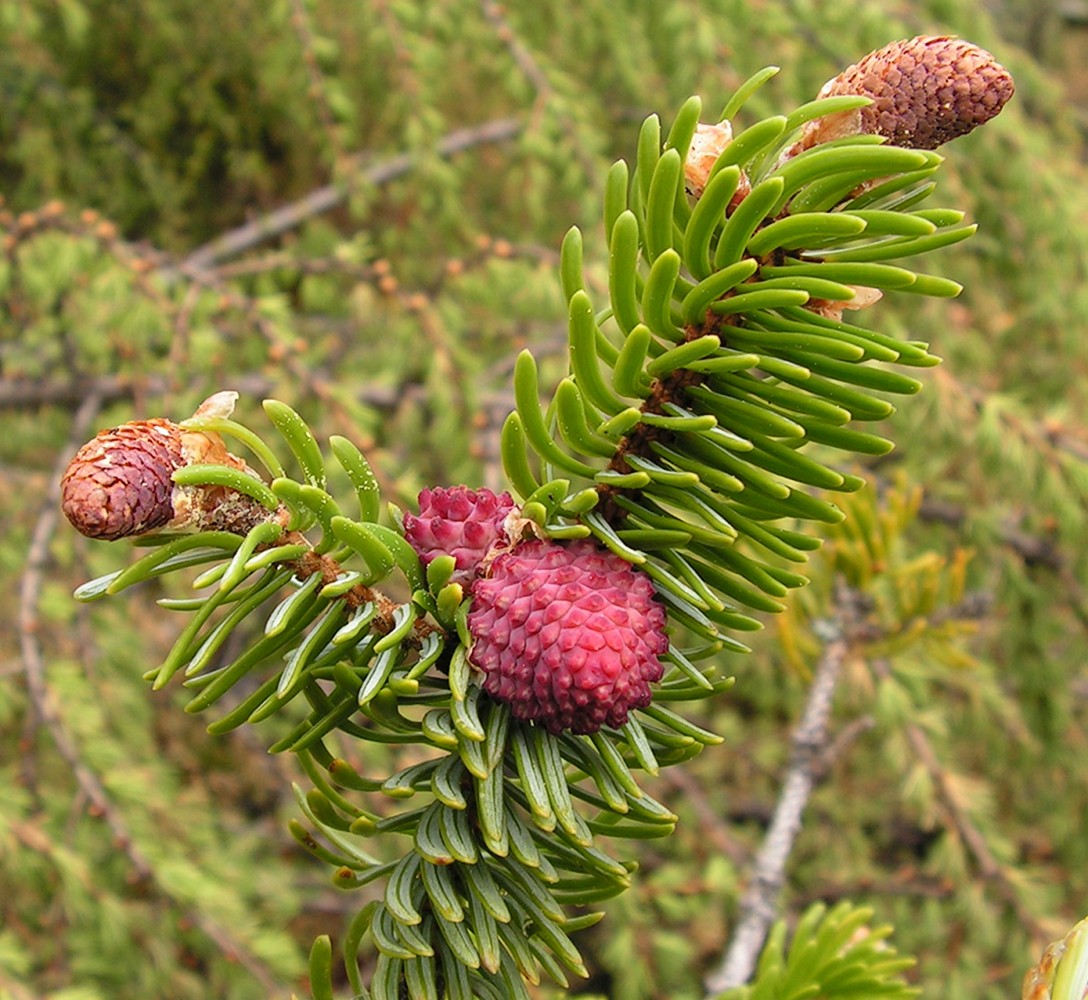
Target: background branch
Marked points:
759	904
324	199
990	869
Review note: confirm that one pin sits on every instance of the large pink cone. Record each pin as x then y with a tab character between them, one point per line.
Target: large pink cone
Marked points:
569	635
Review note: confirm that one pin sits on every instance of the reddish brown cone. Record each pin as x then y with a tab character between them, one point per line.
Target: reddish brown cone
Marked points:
119	484
925	92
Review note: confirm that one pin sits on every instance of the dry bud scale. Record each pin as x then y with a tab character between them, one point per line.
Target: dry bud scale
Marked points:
1062	971
538	631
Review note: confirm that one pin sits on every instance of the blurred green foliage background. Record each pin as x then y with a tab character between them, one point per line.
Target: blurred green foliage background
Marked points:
356	207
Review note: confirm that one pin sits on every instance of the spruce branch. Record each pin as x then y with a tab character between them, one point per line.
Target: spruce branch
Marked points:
538	639
990	869
152	268
909	884
28	394
532	68
714	827
848	629
318	90
44	711
519	51
45	708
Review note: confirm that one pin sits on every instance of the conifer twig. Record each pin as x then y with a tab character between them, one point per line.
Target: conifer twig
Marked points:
43	710
300	21
836	748
518	50
909	884
1033	550
759	904
27	393
10	988
713	826
530	67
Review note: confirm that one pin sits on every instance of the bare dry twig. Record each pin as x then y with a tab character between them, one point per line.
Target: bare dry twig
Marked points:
519	51
326	198
759	904
300	21
990	870
713	827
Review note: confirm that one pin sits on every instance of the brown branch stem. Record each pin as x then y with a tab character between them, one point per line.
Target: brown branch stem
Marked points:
300	21
990	870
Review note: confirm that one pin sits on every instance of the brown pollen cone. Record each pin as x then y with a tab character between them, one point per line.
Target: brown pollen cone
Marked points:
119	483
925	92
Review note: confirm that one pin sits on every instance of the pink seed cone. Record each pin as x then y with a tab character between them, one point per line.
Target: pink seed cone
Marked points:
569	635
466	524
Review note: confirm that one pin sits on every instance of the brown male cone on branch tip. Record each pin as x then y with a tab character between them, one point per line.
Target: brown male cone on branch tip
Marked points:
120	483
925	91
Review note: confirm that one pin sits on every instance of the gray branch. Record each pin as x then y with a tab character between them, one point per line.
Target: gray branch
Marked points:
759	904
326	198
